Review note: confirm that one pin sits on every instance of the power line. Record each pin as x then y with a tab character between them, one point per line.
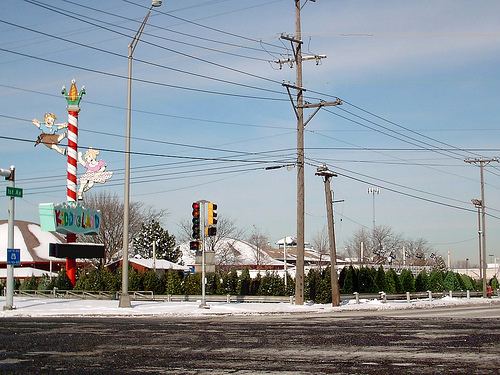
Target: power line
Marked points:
404	193
142	80
208	27
190	118
176	32
142	61
72	15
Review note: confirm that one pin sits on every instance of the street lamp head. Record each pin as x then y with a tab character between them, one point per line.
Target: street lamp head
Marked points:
156	3
478	203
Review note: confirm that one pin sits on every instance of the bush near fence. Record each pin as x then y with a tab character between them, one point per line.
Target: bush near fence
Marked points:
317	283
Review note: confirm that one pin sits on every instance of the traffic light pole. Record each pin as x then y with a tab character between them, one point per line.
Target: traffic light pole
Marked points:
9	301
203	225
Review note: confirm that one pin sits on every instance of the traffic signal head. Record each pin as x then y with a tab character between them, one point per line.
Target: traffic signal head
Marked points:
194	245
196	220
212	213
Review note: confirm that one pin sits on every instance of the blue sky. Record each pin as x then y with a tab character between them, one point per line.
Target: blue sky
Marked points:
428	70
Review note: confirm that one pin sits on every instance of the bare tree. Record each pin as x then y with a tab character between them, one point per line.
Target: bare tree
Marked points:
321	244
382	245
417	251
260	241
353	245
111	226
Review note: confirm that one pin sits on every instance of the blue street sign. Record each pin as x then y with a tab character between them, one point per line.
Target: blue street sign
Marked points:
14	257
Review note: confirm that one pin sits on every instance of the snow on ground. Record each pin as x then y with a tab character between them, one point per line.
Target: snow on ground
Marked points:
37	307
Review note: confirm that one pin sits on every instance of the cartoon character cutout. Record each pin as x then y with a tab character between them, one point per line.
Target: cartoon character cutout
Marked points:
95	171
50	135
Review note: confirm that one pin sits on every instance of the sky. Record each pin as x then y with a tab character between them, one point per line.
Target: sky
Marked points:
419	83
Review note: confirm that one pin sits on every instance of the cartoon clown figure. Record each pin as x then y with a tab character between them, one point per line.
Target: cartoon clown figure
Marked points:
49	135
95	171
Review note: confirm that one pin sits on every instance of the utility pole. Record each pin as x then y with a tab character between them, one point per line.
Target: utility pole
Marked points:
298	107
482	162
324	172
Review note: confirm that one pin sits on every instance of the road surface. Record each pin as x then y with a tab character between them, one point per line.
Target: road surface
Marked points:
463	340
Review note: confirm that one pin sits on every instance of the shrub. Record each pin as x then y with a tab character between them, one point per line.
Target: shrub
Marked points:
407	281
244	283
30	283
422	282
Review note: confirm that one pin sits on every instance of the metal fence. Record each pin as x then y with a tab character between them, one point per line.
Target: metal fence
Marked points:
147	295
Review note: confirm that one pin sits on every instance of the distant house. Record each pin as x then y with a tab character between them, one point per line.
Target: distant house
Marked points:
143	265
231	253
33	244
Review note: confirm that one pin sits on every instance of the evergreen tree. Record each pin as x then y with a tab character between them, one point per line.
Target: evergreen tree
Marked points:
30	283
349	284
290	285
311	284
468	283
173	283
366	281
494	282
135	280
192	284
46	283
231	282
342	274
450	282
62	281
436	281
422	282
212	285
244	283
165	243
150	281
255	285
391	282
407	281
380	279
324	291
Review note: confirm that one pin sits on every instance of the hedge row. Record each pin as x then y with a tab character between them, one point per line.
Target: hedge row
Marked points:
317	285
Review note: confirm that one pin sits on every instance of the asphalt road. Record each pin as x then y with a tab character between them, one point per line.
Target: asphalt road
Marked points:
455	341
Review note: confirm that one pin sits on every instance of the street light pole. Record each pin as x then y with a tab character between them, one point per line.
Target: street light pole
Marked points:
373	191
478	203
124	296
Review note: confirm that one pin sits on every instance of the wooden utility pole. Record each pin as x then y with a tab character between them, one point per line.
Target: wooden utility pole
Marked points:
327	175
298	107
482	162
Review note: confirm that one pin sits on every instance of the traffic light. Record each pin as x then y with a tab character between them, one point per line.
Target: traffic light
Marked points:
196	220
194	245
212	219
212	213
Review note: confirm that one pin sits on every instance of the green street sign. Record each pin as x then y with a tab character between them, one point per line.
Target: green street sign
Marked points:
14	192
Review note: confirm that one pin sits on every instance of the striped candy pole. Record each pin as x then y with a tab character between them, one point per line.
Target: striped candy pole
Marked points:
73	98
72	152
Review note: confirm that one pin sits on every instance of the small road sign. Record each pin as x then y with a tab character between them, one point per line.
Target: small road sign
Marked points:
14	257
14	192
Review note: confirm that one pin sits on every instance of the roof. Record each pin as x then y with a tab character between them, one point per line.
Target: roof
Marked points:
160	264
25	272
233	252
32	241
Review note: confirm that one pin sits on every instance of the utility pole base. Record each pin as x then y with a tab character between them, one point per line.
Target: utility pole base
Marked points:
8	308
124	301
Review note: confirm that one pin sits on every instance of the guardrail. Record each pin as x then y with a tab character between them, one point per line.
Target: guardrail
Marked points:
146	295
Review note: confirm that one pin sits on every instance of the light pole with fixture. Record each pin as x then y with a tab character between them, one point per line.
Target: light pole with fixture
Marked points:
373	191
124	296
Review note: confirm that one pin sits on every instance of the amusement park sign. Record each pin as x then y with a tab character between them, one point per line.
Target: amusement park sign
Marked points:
69	217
